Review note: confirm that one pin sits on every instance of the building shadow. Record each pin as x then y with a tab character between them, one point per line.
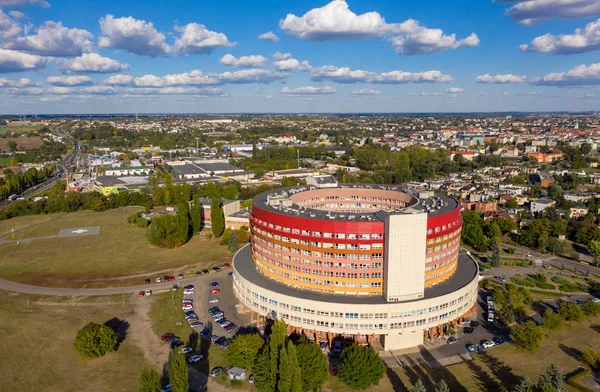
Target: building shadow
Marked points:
120	327
572	352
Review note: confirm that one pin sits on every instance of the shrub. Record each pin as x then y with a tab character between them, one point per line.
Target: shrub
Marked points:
560	279
592	358
527	335
591	308
580	375
142	222
95	340
545	286
236	384
523	281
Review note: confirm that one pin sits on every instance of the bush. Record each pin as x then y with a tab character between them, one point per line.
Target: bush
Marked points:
592	358
142	222
545	286
95	340
591	308
560	280
523	281
236	384
580	375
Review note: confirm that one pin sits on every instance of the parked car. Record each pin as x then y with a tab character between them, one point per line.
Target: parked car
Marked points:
166	278
215	291
198	273
142	293
146	281
334	370
192	319
452	340
205	271
205	332
468	330
227	265
188	292
251	379
219	340
213	284
221	266
216	269
171	278
174	287
196	324
323	346
473	348
218	318
148	292
488	344
180	276
214	338
225	343
166	388
213	301
231	328
189	286
214	309
187	307
172	339
186	350
166	336
158	280
195	358
337	347
216	371
187	300
177	343
230	273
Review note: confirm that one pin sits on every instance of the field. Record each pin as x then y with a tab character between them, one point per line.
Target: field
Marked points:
23	143
119	255
38	349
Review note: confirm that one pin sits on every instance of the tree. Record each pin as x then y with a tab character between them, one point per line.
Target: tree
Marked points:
217	220
12	146
149	380
232	243
442	386
178	371
360	367
183	227
296	371
168	195
231	192
419	387
495	259
591	308
527	335
264	379
570	312
211	191
524	386
196	214
95	340
511	204
551	320
553	377
594	247
244	349
592	358
285	371
164	231
313	365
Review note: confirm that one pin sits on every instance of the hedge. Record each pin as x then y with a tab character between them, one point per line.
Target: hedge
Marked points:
580	375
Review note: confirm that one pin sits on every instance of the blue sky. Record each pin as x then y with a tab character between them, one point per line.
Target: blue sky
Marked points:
311	56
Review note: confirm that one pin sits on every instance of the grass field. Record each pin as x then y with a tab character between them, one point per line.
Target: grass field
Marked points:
120	255
23	143
38	352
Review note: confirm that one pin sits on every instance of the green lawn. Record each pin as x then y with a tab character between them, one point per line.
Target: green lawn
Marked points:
37	350
121	253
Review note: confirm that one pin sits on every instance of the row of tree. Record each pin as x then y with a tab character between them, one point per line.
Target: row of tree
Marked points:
13	183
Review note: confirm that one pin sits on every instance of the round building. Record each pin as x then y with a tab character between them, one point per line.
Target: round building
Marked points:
361	262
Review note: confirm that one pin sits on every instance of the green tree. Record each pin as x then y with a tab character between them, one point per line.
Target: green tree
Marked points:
232	243
570	312
95	340
525	385
419	386
211	191
196	214
592	358
313	365
183	226
511	204
551	320
442	386
164	231
296	371
231	192
591	308
360	367
178	371
495	259
244	349
594	247
285	371
217	220
264	378
12	146
553	377
168	194
149	380
527	335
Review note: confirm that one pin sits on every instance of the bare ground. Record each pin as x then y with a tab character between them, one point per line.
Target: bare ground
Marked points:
141	334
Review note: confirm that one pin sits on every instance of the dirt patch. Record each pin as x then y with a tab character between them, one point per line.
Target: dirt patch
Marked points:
23	143
141	334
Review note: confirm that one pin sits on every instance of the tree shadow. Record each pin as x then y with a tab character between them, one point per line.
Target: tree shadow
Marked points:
595	327
572	352
501	370
541	306
164	379
485	381
120	327
193	340
247	330
395	380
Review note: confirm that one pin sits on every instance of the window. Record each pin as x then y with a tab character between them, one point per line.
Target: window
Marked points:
351	315
365	236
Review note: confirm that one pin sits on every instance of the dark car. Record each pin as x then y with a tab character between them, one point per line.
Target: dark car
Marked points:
147	281
216	269
220	340
216	371
198	273
205	271
177	343
205	332
166	278
468	330
180	276
334	370
213	284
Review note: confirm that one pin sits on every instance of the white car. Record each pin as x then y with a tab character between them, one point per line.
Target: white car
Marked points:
596	300
158	280
213	301
188	292
195	358
488	344
187	307
186	350
187	300
148	292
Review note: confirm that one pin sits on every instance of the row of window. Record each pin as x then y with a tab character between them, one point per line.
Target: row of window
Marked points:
446	237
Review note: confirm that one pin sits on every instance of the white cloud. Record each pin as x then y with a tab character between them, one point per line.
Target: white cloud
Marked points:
269	36
14	61
92	63
194	77
16	14
9	28
251	76
421	40
454	90
501	79
25	91
580	76
149	81
530	12
23	82
99	90
197	39
60	90
133	35
581	41
290	64
335	21
365	91
53	39
346	75
252	61
436	94
119	80
308	90
69	80
23	3
204	91
282	56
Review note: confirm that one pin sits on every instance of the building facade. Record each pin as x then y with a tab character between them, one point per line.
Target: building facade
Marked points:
362	262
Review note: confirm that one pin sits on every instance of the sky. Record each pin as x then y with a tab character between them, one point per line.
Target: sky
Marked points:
272	56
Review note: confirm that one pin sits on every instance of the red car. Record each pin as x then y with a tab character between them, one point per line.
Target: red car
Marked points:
334	370
171	278
227	265
215	291
141	293
166	336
